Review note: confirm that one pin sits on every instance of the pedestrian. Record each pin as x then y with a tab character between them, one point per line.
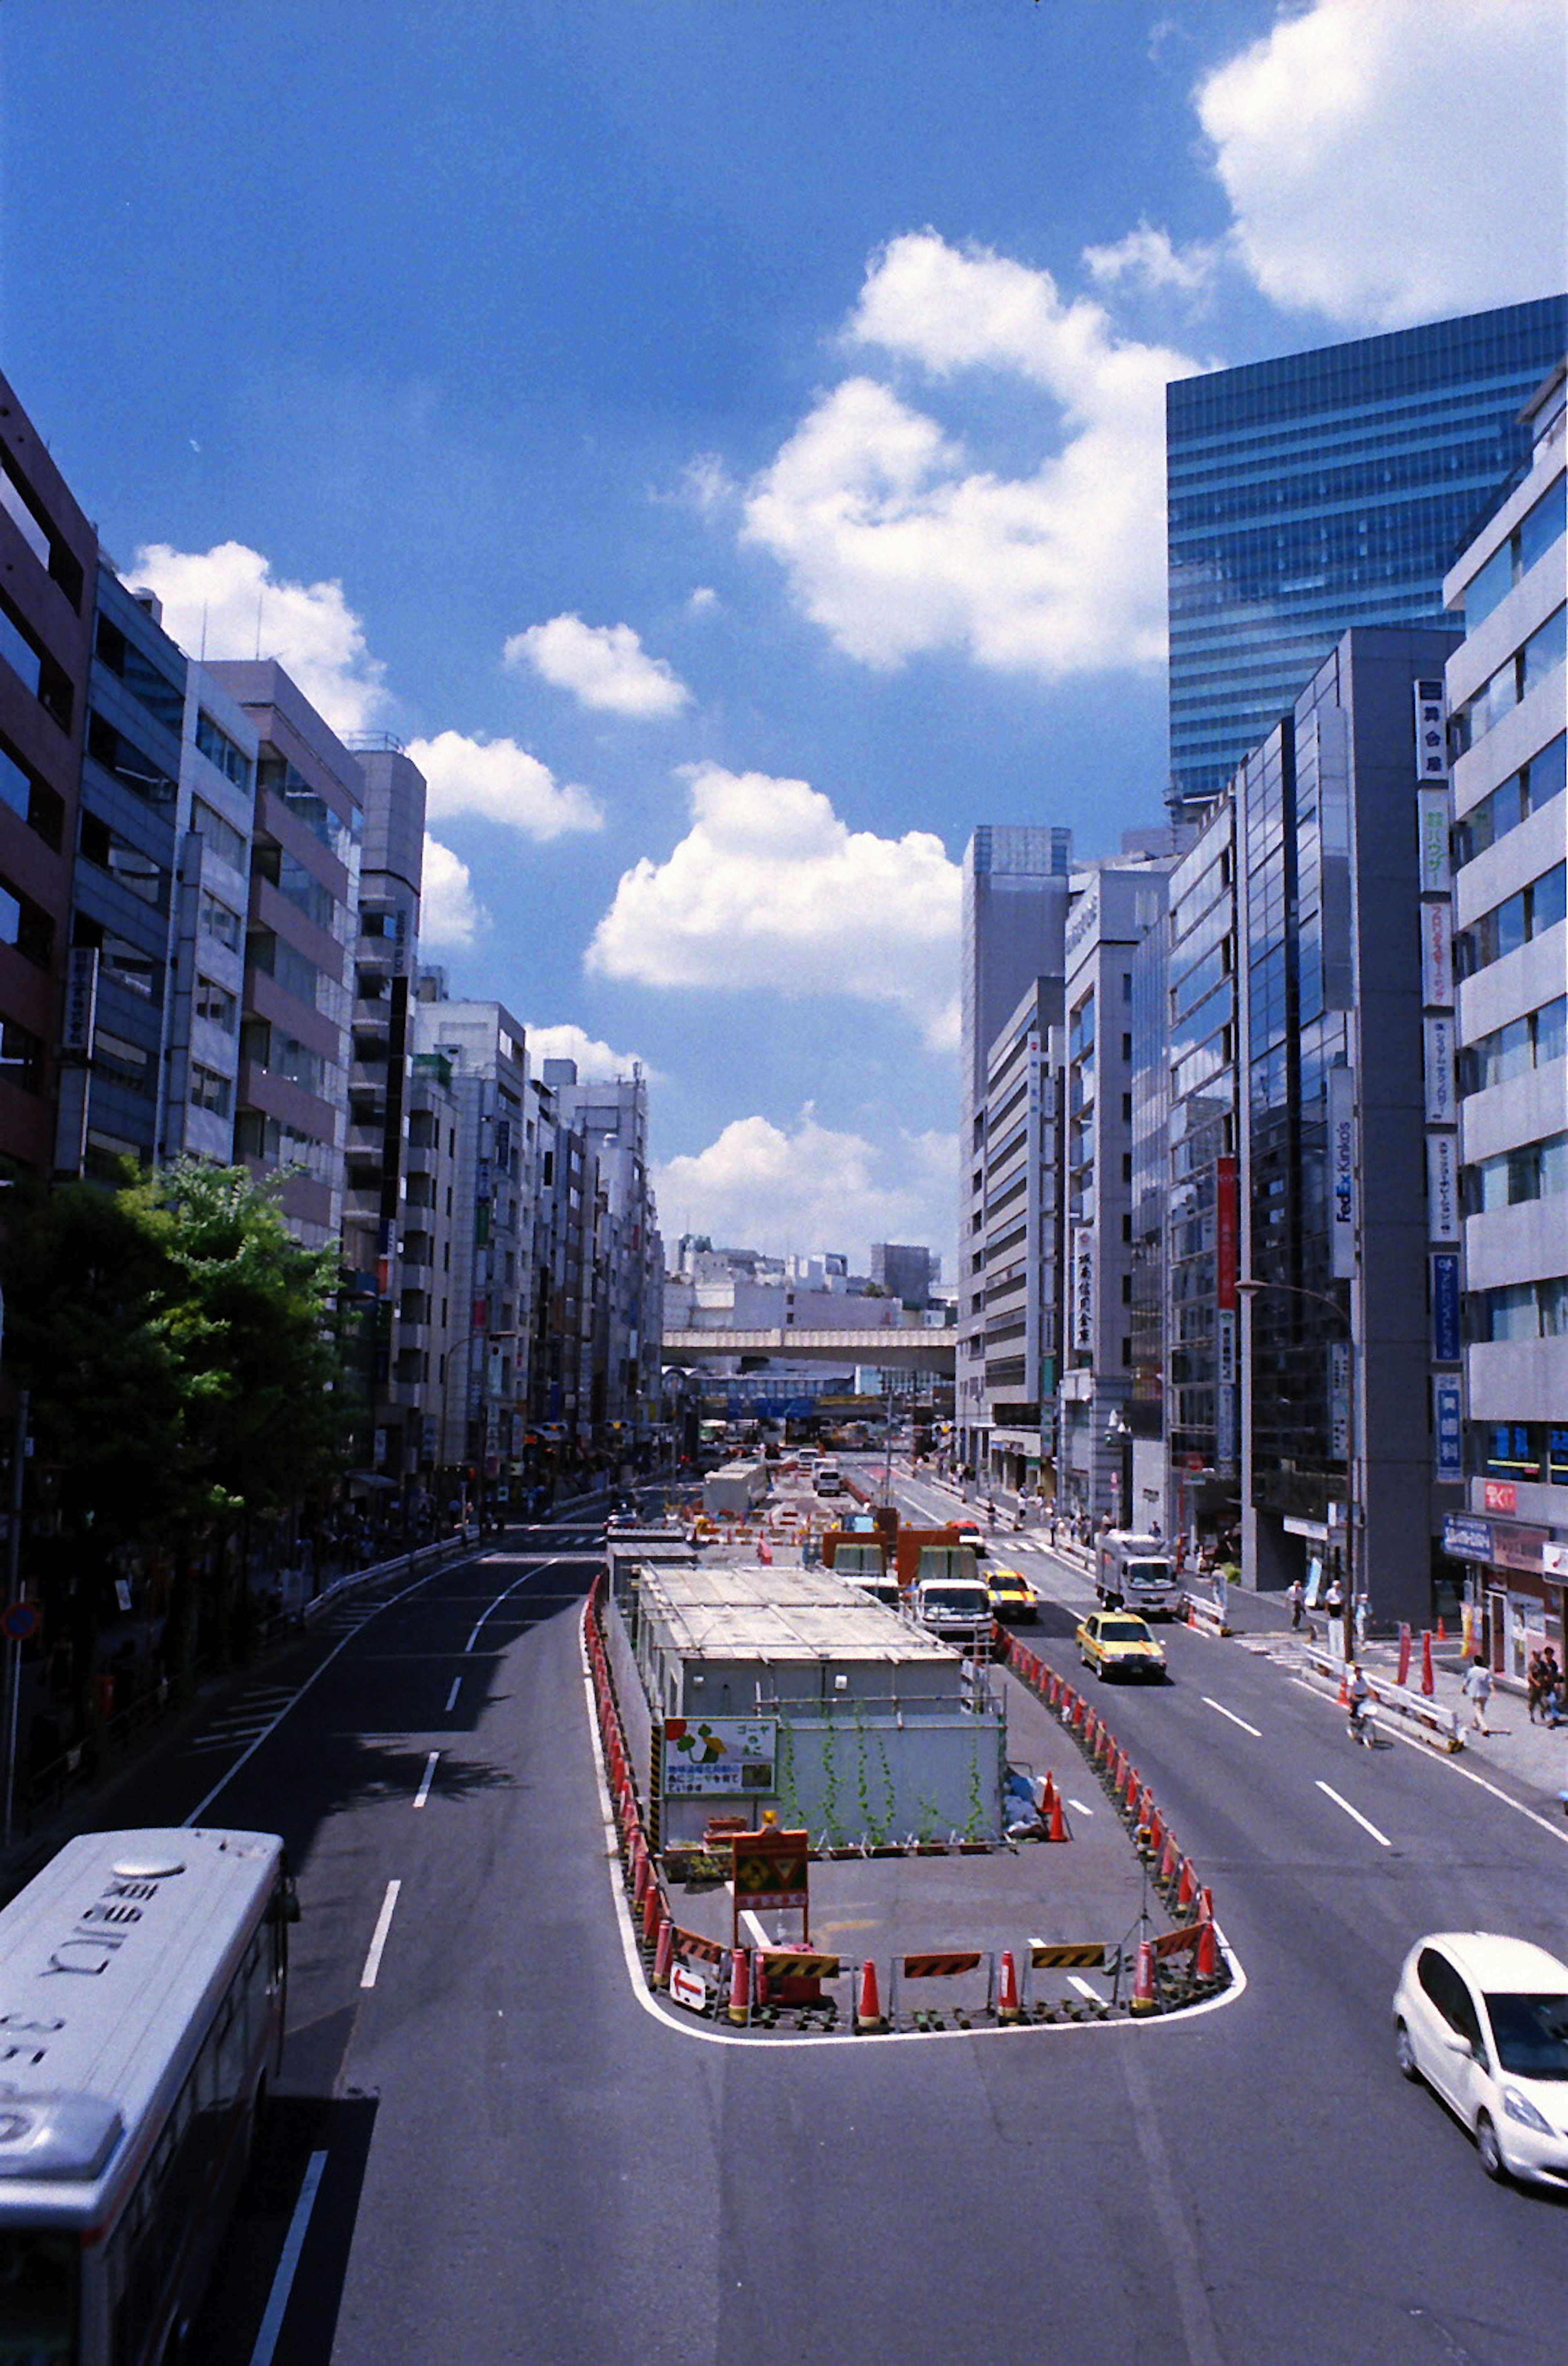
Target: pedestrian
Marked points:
1296	1598
1535	1684
1550	1688
1478	1692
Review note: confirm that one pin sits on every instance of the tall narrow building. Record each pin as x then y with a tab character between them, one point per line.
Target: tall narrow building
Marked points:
1323	490
1015	910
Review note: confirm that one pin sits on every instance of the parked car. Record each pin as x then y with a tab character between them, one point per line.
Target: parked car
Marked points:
1484	2020
1012	1597
1114	1643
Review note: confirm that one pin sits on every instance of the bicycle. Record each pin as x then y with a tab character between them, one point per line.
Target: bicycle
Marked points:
1361	1727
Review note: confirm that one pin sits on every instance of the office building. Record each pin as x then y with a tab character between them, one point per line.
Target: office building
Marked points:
905	1271
48	579
290	1121
122	887
1324	491
1015	906
1349	1314
1019	1244
1508	706
623	1256
1115	907
214	824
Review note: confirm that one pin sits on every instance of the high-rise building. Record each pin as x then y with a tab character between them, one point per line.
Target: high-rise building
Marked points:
48	565
1507	692
1349	1314
216	823
1015	909
1323	490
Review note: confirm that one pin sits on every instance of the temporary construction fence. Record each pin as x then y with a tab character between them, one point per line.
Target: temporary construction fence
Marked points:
799	1989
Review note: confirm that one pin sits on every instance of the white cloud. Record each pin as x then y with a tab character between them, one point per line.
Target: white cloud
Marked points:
498	780
814	1187
701	598
1147	260
226	602
895	542
1391	161
449	912
596	1063
604	666
770	888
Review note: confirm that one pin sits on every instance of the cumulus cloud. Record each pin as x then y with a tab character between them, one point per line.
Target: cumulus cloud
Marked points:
770	888
596	1063
449	912
812	1188
1390	161
496	780
896	543
1145	260
604	666
226	602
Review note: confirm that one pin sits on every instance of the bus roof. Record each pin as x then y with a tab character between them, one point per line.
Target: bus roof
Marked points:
110	1962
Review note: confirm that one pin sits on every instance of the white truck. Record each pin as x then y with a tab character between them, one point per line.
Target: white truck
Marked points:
1136	1573
951	1601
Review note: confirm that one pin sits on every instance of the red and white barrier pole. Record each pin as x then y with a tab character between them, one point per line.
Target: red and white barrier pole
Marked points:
1007	1999
1142	1997
740	1987
1428	1681
1402	1673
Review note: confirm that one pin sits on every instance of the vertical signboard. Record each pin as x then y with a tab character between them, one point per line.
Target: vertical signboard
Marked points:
1083	1289
1438	1060
1431	731
1340	1399
1342	1173
1436	955
1448	1428
1436	871
1442	1187
1445	1306
1225	1232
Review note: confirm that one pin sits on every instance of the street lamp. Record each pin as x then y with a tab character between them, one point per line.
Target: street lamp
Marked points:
1321	1298
1119	1437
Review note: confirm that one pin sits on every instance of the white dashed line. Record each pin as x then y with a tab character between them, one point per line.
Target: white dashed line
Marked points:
283	2282
379	1938
1255	1730
1078	1809
423	1794
1355	1815
452	1695
1083	1989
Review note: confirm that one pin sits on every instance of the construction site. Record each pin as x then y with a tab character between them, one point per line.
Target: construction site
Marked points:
829	1822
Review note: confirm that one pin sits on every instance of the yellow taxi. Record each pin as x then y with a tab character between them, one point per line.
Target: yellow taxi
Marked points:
1112	1642
1013	1597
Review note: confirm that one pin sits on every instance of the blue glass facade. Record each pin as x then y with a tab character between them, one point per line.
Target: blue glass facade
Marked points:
1324	491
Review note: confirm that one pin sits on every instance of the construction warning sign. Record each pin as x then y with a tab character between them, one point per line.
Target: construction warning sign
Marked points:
771	1868
712	1756
1087	1956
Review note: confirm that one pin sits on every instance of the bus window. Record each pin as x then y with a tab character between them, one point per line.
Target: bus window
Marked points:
39	2284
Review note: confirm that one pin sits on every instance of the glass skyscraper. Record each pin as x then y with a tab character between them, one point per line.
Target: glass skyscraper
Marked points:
1324	491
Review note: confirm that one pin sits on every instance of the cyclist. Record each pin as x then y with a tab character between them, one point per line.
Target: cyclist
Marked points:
1357	1692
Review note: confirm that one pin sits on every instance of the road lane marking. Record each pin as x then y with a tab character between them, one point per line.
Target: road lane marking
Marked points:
1355	1814
293	2244
379	1938
423	1794
1078	1809
1255	1731
452	1695
550	1562
1083	1989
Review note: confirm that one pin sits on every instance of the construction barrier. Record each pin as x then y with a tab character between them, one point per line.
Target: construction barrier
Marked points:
1416	1712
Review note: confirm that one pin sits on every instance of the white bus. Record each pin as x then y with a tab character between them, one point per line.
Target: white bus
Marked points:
141	1990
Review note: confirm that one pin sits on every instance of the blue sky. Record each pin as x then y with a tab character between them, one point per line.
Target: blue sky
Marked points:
722	438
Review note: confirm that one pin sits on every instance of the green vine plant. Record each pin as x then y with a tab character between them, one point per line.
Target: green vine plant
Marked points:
929	1815
977	1799
789	1799
889	1791
831	1788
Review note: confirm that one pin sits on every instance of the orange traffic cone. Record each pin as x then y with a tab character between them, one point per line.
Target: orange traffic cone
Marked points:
1187	1886
1142	1997
652	1912
868	2008
1057	1828
740	1987
1206	1955
1343	1698
1007	1994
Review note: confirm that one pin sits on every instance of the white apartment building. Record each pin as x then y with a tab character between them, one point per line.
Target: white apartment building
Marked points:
1508	691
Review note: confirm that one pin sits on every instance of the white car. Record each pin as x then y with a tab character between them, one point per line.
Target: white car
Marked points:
1484	2020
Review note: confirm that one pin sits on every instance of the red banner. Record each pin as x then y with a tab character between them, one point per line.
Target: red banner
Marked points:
1225	1232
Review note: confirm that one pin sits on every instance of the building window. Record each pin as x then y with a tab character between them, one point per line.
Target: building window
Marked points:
1514	680
1524	793
1532	1042
217	922
1512	560
209	1090
26	925
21	1057
148	685
220	837
1521	1310
222	753
1519	918
1532	1170
40	675
39	805
215	1004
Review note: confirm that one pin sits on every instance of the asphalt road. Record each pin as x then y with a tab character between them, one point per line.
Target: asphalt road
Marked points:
511	2158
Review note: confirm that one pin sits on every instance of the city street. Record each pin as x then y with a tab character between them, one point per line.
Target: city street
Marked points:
504	2155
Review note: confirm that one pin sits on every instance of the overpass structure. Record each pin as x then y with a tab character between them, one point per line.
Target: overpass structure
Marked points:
897	1347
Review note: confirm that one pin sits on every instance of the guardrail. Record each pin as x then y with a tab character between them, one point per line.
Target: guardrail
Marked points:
1430	1722
1203	1615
